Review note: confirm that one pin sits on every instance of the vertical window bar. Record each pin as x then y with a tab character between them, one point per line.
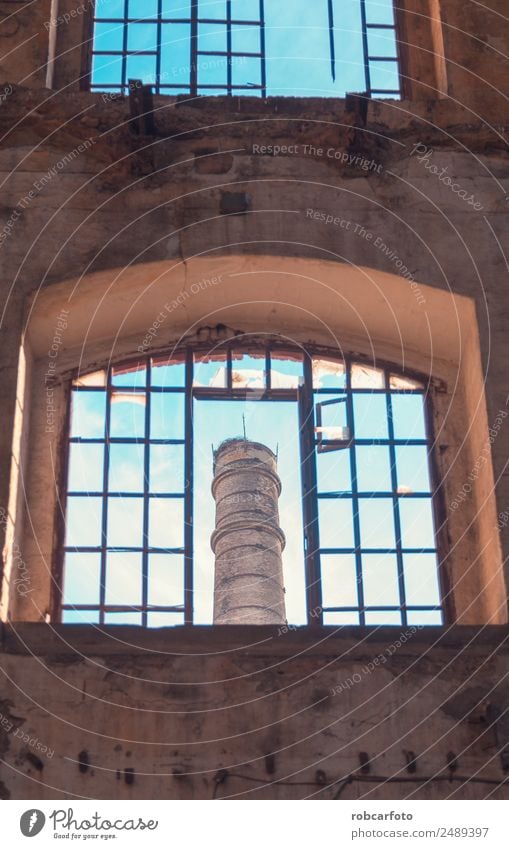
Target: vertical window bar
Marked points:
439	521
88	45
268	367
395	502
123	80
309	498
194	47
146	490
188	499
229	45
106	470
159	40
332	47
355	498
396	28
398	53
365	47
57	585
229	369
262	49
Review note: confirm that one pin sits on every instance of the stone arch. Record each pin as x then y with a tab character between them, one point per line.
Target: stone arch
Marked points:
115	313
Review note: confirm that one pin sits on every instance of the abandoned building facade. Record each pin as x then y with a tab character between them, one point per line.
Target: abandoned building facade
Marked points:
254	501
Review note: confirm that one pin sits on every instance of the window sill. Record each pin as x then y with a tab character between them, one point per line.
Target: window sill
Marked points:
348	643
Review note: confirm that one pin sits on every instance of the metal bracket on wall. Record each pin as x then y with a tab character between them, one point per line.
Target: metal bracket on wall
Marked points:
141	107
499	720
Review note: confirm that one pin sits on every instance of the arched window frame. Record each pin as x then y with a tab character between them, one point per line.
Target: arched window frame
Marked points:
312	442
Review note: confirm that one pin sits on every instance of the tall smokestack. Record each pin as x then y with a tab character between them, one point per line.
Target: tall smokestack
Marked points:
248	542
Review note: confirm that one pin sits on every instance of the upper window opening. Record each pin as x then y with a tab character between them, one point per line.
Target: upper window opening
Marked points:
353	455
251	47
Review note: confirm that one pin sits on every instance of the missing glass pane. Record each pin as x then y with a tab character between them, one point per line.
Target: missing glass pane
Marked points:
328	374
88	414
302	51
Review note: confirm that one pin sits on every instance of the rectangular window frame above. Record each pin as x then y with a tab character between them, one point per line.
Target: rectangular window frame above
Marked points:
193	86
161	85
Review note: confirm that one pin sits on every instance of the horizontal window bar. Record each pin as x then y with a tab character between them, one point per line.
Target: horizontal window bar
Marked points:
126	440
378	442
122	549
124	52
377	550
125	86
245	394
363	494
169	390
237	88
109	494
360	391
156	20
380	608
226	53
135	390
122	608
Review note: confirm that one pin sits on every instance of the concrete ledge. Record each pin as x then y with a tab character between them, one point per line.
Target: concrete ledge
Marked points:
66	641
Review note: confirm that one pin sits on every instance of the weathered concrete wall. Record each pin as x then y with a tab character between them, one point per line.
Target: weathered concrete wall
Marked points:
285	707
84	194
24	43
417	188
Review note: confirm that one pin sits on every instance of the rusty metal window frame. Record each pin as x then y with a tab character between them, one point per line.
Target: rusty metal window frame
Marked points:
193	87
369	59
308	398
361	611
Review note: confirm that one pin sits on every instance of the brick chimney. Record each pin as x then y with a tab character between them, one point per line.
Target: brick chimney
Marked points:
248	542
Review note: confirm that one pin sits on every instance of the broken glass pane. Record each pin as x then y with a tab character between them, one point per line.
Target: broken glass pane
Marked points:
328	374
365	377
399	381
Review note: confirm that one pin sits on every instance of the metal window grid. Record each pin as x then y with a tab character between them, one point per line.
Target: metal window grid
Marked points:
356	495
193	86
368	27
306	396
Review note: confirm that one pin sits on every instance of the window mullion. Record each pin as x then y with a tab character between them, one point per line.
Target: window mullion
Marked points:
395	503
355	498
159	40
310	499
124	46
188	498
146	495
194	48
365	47
106	472
262	49
229	46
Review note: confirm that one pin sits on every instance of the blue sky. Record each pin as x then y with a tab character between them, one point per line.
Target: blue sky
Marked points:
274	425
297	45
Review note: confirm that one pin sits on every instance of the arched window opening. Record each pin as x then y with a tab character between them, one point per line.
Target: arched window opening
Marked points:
251	47
353	454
